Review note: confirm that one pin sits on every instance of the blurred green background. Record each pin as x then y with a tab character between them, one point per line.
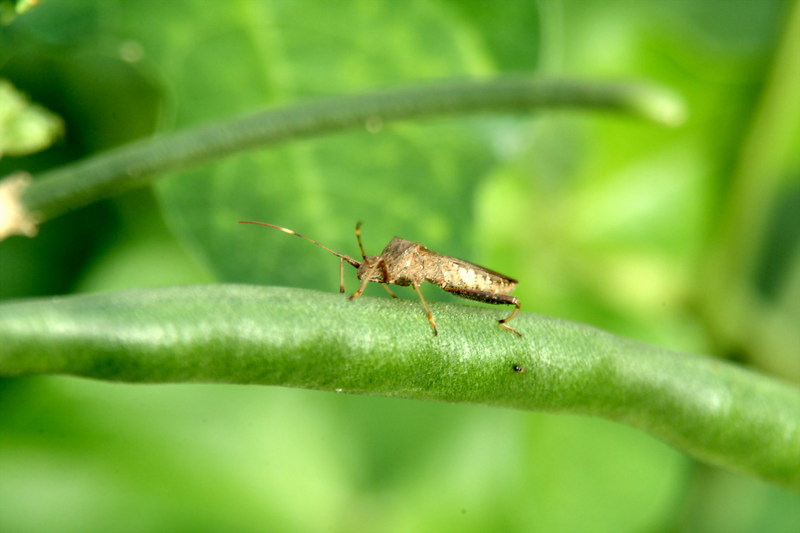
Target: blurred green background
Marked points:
685	238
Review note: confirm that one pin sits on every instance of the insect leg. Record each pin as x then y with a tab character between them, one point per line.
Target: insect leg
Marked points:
386	279
427	309
364	281
491	298
360	290
341	275
385	286
504	322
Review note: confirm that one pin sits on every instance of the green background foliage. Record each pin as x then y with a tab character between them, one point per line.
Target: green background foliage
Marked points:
613	222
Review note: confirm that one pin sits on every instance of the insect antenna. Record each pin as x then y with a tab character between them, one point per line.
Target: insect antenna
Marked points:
290	232
360	244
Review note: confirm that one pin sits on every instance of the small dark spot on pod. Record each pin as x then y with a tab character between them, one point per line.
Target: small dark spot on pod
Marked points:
518	369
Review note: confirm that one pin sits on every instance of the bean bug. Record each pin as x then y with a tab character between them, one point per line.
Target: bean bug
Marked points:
407	263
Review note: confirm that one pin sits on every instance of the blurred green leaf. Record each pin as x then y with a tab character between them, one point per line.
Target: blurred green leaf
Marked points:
24	127
397	179
9	9
418	181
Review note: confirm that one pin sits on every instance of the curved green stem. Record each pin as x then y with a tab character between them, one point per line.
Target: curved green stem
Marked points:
108	174
298	338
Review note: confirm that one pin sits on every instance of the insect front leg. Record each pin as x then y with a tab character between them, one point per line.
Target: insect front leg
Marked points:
360	290
341	275
365	278
491	298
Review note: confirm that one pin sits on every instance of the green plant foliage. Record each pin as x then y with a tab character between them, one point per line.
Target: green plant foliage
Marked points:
684	238
24	127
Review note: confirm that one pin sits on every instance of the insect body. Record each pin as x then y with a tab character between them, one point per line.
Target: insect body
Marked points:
407	263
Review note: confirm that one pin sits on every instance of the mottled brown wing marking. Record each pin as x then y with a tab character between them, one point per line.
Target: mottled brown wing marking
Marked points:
467	264
453	272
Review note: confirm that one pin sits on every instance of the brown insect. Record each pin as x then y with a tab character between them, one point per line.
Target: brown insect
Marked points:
407	263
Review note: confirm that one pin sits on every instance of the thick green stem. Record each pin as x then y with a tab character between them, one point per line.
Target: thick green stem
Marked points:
108	174
297	338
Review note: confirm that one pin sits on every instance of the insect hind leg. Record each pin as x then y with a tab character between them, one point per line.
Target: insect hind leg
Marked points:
504	321
491	298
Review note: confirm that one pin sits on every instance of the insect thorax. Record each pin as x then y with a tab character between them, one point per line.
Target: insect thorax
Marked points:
372	269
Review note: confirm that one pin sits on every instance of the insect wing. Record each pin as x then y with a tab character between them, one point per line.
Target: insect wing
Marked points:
451	272
461	263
